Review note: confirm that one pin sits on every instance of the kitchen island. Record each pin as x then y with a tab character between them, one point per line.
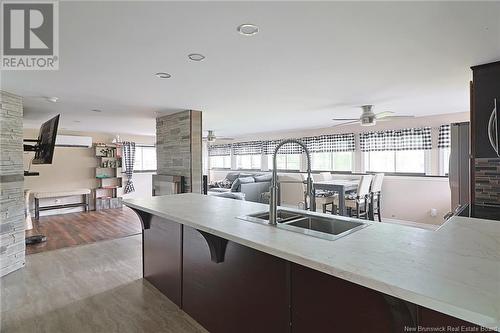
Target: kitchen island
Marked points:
237	276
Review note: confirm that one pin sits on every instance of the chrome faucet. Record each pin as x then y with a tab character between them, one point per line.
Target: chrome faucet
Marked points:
309	195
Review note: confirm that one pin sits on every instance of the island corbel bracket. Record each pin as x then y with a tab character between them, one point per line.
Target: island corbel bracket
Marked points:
217	246
145	218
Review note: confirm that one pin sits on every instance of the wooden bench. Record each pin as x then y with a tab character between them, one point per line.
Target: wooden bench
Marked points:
84	192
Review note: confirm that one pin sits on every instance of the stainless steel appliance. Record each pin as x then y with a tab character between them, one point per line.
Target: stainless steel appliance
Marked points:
459	167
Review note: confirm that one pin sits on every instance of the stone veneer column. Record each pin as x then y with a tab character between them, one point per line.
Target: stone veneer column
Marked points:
179	147
12	225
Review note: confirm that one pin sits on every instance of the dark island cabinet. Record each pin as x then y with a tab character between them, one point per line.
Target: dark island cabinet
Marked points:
428	318
228	287
322	303
162	257
231	288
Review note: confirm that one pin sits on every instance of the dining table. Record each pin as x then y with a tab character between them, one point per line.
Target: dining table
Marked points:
341	186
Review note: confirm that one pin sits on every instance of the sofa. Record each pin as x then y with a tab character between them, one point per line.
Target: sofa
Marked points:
251	185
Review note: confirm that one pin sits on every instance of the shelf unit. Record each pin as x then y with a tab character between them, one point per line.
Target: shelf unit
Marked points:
108	173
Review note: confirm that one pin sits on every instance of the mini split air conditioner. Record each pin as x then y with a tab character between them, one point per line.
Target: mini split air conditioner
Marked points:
73	141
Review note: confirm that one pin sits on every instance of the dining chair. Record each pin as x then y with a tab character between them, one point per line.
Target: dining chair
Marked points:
357	203
323	198
375	196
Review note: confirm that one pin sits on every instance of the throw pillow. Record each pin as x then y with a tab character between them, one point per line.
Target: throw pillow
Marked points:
224	183
235	187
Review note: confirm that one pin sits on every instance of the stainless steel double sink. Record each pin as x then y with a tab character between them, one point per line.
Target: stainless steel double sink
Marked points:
323	226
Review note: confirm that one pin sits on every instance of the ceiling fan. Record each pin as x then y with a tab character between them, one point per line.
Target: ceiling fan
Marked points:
211	137
369	118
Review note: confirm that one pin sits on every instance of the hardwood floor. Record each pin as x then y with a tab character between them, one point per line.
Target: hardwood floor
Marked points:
73	229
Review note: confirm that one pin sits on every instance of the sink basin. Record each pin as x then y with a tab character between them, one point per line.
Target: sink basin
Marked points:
323	226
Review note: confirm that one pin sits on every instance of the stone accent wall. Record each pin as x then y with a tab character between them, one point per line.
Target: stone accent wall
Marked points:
487	176
12	225
178	147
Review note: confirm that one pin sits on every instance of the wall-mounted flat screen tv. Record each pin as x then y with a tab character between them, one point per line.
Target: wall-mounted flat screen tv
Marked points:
46	142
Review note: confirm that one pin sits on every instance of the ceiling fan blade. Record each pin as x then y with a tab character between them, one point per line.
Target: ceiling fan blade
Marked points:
384	114
345	119
348	123
394	118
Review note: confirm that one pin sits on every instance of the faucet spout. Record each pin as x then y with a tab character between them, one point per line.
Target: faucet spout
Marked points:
310	201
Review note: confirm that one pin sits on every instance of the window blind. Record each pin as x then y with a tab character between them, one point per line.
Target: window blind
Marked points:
331	143
444	138
268	147
404	139
219	150
247	148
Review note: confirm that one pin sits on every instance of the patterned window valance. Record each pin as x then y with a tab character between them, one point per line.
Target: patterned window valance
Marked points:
331	143
219	150
404	139
444	136
247	148
268	147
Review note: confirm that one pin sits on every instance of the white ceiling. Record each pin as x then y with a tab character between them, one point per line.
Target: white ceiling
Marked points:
309	63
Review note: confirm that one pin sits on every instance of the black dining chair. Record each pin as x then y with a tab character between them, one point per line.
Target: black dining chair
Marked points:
375	197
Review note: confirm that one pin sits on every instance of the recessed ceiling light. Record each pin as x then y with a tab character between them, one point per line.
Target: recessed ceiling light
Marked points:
76	121
196	56
96	110
53	99
163	75
248	29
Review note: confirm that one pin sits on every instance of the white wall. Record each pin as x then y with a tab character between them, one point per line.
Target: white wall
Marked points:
143	184
430	121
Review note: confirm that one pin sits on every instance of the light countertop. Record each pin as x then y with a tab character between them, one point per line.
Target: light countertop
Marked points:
454	270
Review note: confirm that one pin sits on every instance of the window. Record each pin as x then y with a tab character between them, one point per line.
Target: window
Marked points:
396	151
338	161
145	158
222	162
285	161
219	156
248	161
402	161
